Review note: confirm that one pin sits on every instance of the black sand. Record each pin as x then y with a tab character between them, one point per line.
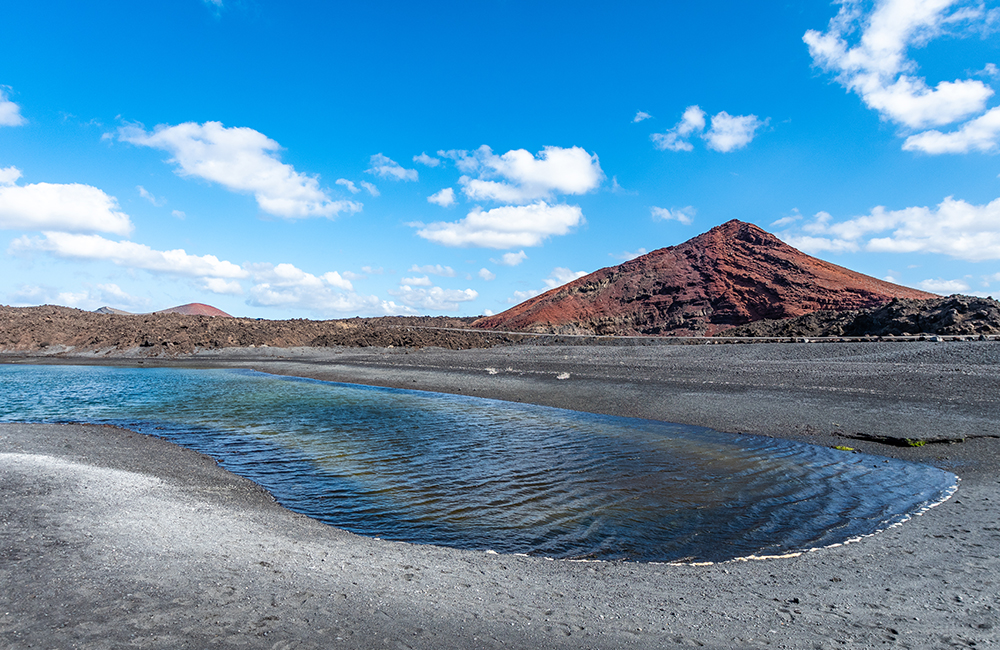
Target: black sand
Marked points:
110	539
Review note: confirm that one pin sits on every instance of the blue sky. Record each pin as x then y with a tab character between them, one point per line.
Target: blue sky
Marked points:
326	160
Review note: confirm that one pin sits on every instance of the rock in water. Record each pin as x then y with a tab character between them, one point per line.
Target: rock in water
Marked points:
733	274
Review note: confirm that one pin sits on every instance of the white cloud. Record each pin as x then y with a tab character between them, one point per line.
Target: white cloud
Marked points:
128	254
877	67
445	198
561	275
222	286
510	259
242	160
629	255
523	177
434	298
521	296
954	227
424	159
91	297
385	167
787	221
434	269
727	133
10	113
351	187
693	120
811	244
466	163
640	116
487	275
506	227
731	132
558	277
179	214
684	215
944	287
47	206
9	175
144	193
422	281
980	134
286	286
370	187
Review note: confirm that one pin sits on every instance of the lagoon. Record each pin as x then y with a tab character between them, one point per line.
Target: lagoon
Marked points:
490	475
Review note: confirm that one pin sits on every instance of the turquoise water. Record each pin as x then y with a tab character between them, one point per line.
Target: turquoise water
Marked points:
484	474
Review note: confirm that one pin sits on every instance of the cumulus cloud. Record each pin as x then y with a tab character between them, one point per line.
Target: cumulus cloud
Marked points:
510	259
222	286
68	207
869	53
433	298
445	198
385	167
641	116
242	160
684	215
506	227
370	187
980	134
944	286
128	254
434	269
178	214
286	286
692	121
727	132
954	227
424	159
90	297
10	113
518	176
487	275
731	132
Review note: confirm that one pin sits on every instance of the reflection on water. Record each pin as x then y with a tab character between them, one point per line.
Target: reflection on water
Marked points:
483	474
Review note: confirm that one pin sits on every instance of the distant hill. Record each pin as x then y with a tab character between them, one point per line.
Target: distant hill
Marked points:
190	309
731	275
195	309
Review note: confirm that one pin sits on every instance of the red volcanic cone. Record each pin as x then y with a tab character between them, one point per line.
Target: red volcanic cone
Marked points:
195	309
733	274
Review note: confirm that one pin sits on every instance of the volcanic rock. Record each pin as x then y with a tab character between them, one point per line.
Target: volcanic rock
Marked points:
733	274
54	330
955	315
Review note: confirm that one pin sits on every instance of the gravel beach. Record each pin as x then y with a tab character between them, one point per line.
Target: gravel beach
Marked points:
111	539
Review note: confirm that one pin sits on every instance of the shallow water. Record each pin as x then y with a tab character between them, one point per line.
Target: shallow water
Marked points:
475	473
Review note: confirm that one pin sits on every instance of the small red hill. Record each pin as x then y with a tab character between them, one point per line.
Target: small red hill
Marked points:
731	275
195	309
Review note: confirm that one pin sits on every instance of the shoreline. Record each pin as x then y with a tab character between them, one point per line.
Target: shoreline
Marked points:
931	582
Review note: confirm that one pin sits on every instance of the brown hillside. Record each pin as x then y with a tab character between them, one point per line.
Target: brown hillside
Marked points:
733	274
195	309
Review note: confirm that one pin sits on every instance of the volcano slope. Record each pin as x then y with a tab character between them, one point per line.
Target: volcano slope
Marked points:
731	275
